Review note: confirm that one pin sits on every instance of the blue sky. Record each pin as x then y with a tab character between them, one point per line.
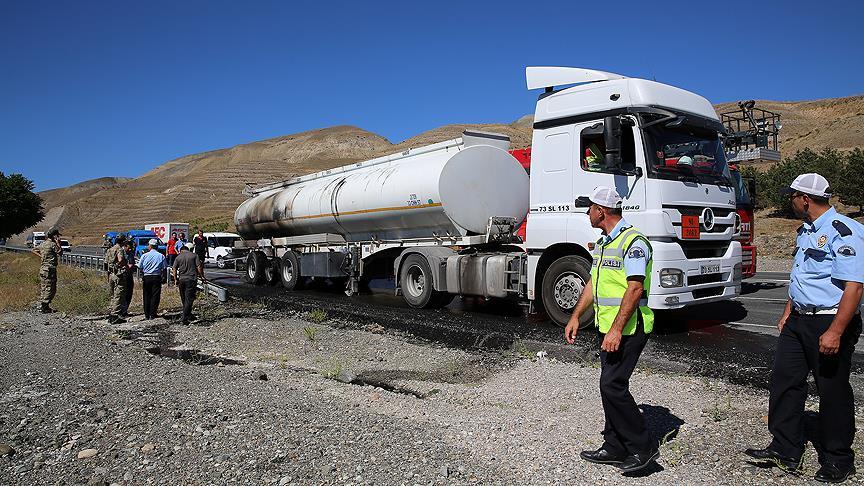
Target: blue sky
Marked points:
91	89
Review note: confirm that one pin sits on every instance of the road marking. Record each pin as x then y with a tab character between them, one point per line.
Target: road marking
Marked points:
750	324
762	299
775	280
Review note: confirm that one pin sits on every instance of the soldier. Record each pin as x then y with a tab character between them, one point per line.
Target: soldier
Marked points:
618	291
818	332
115	259
49	251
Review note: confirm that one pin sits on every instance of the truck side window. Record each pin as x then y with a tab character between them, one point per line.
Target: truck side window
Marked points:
592	149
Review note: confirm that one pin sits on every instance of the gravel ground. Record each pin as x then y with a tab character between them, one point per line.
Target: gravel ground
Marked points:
773	264
288	401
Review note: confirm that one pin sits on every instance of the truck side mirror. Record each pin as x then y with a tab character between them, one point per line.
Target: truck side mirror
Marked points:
612	139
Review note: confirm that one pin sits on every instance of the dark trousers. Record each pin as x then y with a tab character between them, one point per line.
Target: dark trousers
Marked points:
152	288
187	288
625	431
130	287
796	356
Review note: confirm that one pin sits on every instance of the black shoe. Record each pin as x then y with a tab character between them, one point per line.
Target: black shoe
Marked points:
602	456
46	310
637	462
767	454
115	320
831	473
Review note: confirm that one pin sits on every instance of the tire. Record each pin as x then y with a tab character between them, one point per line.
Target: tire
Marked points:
415	279
272	268
289	271
220	262
255	263
562	286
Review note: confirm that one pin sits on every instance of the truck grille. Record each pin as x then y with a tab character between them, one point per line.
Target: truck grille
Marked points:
704	249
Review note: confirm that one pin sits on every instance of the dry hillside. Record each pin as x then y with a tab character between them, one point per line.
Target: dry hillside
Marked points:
207	186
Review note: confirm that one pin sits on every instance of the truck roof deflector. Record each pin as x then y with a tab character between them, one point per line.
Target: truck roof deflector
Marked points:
548	76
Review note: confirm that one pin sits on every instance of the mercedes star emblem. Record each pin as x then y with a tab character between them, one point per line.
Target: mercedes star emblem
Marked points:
708	219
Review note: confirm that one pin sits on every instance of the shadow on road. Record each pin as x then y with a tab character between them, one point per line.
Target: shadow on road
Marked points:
753	287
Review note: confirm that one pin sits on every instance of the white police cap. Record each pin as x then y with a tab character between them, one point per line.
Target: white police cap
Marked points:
812	184
606	197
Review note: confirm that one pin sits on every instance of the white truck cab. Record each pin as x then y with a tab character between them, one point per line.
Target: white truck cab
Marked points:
659	147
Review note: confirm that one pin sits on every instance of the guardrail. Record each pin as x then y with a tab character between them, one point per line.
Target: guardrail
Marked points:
96	263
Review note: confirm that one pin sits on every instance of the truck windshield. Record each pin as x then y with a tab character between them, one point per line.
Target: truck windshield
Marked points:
221	241
742	194
685	152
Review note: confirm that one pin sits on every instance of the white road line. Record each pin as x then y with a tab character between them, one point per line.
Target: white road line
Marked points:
762	299
773	280
750	324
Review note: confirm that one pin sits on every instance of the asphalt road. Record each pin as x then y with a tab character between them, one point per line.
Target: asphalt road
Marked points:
733	340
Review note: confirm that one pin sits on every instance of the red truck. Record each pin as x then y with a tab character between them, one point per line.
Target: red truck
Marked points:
745	196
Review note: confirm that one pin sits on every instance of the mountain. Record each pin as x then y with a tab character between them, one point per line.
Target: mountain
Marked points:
206	188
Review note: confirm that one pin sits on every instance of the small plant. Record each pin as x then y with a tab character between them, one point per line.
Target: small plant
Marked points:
310	332
520	349
454	368
316	315
720	413
332	370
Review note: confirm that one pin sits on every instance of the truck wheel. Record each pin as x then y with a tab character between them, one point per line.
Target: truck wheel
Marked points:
255	264
272	269
415	279
562	285
289	273
220	262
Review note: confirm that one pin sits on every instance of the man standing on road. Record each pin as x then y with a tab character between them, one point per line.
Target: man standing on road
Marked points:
152	264
115	259
186	278
618	291
201	250
49	251
129	249
818	332
170	249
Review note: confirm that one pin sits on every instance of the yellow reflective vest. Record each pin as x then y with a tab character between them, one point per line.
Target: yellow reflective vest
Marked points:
609	282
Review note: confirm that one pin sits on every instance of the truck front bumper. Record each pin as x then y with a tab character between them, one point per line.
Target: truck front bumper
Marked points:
700	282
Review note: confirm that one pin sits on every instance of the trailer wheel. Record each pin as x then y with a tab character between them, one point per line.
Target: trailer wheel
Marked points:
220	262
562	286
255	264
415	279
289	273
272	269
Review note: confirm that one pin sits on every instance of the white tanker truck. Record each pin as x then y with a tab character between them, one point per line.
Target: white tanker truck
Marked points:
441	219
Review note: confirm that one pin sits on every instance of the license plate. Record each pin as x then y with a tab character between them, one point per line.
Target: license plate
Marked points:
711	268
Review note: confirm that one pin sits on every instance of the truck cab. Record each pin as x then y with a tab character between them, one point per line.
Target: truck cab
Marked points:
660	147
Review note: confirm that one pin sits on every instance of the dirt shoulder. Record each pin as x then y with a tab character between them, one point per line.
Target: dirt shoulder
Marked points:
338	405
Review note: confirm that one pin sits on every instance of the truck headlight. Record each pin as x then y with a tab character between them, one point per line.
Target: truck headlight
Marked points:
671	277
736	272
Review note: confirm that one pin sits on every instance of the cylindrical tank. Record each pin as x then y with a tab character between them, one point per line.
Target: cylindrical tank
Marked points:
448	188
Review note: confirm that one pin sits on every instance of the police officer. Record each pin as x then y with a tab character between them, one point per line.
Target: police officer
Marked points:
115	259
618	291
49	251
818	331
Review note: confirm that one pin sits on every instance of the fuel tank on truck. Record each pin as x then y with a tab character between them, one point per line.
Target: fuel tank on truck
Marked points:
448	188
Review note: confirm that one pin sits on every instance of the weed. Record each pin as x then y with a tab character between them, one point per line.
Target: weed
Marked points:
332	369
520	349
719	413
311	332
454	368
316	315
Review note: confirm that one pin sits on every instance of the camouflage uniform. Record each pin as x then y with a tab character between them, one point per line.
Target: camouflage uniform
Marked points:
48	272
116	279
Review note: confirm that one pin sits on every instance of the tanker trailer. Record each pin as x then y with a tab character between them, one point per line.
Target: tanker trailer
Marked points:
451	206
